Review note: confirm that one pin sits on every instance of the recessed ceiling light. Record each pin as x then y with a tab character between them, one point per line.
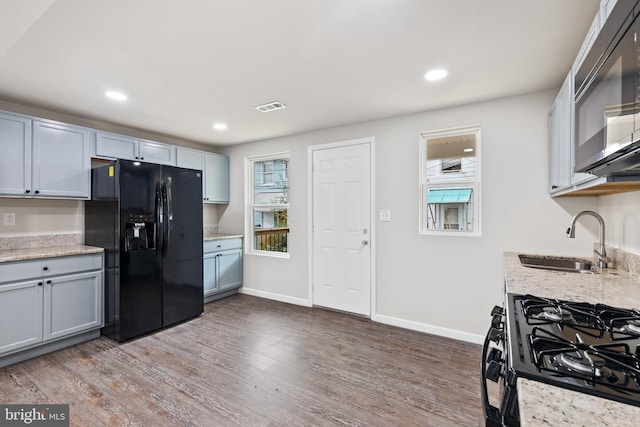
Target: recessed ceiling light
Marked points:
117	96
219	126
437	74
468	150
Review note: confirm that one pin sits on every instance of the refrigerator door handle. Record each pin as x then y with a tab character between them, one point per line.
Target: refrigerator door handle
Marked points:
159	218
165	221
169	207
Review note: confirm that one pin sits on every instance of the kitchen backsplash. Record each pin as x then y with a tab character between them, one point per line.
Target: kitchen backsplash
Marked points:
624	261
39	241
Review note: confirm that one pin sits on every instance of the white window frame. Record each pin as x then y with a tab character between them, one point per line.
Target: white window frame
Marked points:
463	182
249	205
271	173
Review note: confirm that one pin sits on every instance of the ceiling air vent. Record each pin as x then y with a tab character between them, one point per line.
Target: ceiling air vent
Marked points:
270	106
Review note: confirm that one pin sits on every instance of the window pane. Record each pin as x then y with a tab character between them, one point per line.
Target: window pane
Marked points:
449	209
450	170
270	186
270	229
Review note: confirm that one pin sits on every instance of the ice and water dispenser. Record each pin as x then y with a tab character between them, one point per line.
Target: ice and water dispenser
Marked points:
140	231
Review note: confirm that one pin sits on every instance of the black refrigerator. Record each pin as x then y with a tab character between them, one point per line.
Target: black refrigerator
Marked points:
148	218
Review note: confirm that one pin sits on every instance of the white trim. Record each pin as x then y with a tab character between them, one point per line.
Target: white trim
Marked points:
477	181
249	180
429	329
276	297
371	141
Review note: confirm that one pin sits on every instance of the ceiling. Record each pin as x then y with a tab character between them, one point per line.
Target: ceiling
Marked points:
188	64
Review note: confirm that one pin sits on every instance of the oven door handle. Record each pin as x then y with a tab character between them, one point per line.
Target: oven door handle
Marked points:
491	413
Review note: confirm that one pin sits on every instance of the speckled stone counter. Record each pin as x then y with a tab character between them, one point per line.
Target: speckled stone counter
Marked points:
47	252
545	405
218	236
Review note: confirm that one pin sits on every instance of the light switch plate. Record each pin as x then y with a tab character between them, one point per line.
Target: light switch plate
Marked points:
9	218
385	215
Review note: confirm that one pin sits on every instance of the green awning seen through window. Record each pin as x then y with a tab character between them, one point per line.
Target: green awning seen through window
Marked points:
458	195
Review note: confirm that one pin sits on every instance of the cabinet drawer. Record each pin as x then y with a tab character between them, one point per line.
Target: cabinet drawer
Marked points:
222	245
21	270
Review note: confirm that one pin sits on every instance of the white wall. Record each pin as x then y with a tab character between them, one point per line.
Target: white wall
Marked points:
40	216
621	213
442	284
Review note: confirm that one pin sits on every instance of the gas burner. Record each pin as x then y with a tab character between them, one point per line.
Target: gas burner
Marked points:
632	327
585	364
555	314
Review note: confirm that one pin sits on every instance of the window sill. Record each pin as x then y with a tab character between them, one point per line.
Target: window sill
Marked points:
269	254
451	233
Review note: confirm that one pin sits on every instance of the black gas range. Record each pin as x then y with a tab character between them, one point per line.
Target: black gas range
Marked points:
590	348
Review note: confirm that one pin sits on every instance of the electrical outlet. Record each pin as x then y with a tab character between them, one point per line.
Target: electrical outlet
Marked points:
10	219
385	215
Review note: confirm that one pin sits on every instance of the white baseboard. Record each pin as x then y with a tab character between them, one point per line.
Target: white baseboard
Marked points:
430	329
388	320
277	297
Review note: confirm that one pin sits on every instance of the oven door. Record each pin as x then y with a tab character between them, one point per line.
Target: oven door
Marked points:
606	108
494	367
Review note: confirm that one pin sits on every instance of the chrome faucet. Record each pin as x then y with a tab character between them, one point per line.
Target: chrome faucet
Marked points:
600	254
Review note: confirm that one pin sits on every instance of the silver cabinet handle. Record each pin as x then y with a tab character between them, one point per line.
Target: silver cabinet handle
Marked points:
365	242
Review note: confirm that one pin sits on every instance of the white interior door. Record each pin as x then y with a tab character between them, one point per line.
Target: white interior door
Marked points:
341	200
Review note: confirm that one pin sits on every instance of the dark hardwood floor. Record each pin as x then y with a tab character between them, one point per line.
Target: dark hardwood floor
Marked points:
248	361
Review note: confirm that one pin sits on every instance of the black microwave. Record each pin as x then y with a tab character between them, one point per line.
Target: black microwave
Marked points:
607	97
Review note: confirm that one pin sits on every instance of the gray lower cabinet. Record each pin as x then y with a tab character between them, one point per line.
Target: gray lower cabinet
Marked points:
222	268
47	304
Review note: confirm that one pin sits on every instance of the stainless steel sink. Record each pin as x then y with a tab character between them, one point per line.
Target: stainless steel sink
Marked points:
574	265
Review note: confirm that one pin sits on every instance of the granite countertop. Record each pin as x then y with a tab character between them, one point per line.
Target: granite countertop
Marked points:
11	255
218	236
613	287
543	404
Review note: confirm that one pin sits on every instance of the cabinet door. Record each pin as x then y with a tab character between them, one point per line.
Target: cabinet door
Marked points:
606	6
116	146
216	179
61	162
230	269
72	304
589	39
15	161
210	273
191	159
560	138
20	315
155	152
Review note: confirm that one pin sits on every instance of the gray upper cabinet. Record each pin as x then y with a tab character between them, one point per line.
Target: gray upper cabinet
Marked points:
191	159
560	138
589	39
216	178
155	152
43	158
15	161
114	146
562	178
61	163
215	167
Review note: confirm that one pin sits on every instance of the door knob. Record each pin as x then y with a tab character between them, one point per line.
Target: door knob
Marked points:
365	242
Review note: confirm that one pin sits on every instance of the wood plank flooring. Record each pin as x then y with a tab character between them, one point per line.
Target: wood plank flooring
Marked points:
248	361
